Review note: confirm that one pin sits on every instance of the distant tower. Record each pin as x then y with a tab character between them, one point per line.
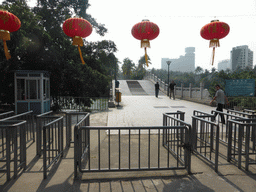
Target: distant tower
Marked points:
185	63
223	65
241	56
190	55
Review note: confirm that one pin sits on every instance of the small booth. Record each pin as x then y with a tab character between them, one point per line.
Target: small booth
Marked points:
32	91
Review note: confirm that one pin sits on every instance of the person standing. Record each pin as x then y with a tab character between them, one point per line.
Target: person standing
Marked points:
172	85
220	97
156	89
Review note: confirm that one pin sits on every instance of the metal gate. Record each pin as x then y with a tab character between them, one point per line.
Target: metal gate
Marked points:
130	149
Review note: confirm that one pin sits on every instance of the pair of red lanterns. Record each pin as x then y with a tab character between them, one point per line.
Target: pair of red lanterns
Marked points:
79	28
213	31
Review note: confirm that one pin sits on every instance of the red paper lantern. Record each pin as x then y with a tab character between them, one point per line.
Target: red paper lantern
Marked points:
214	31
8	23
77	28
145	31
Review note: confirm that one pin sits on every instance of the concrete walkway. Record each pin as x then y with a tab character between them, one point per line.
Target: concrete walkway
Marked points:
148	111
134	110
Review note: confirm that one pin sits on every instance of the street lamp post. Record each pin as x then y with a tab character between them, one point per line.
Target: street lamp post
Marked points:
168	63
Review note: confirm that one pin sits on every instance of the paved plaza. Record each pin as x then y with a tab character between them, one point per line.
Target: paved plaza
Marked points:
139	107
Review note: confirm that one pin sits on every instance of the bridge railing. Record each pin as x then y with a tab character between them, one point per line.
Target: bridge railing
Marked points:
198	94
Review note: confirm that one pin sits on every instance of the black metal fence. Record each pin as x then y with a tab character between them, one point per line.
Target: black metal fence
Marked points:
242	141
175	141
42	120
81	103
128	149
238	131
52	143
205	138
242	114
223	126
30	124
76	119
253	112
12	147
6	114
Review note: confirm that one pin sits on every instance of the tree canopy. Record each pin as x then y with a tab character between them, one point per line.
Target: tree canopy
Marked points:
40	44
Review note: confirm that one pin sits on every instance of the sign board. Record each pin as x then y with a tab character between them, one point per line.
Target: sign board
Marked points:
240	87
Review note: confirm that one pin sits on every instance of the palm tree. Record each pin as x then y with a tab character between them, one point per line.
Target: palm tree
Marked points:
128	68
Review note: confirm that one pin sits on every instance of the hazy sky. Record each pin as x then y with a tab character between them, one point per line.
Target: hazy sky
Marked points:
180	23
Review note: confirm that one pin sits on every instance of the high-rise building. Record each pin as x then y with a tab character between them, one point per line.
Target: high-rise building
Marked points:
241	56
185	63
223	65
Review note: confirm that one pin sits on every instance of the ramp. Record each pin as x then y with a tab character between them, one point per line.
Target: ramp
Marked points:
137	88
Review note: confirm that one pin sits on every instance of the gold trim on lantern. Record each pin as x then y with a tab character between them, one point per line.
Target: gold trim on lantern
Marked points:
145	43
5	35
78	41
214	43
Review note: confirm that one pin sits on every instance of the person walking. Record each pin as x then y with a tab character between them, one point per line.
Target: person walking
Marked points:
220	97
172	85
156	89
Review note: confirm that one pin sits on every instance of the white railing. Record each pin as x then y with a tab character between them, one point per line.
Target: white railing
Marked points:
190	93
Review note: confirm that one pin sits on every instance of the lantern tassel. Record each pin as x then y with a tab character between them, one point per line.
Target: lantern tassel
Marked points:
213	54
214	43
146	56
6	51
5	36
81	56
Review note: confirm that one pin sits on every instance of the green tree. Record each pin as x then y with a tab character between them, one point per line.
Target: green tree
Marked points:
128	68
199	70
140	71
40	44
25	46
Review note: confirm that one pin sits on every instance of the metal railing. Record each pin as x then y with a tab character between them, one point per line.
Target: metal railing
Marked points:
6	114
77	118
204	115
52	143
12	147
127	149
172	139
205	139
42	120
30	126
241	114
84	141
82	103
253	112
223	127
242	141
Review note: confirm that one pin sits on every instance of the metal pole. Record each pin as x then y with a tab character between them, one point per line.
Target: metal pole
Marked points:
168	88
